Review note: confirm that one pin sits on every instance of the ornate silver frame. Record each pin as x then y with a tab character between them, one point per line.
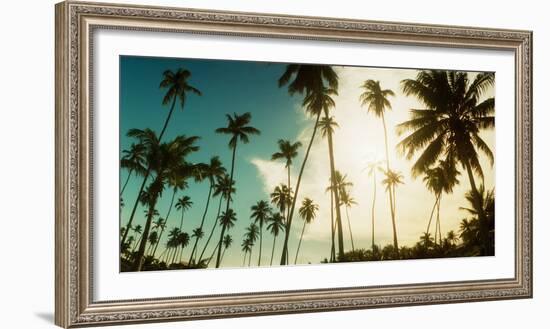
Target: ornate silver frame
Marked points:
76	21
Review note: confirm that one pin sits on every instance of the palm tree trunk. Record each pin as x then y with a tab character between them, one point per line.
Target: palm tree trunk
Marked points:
438	220
372	209
213	229
273	249
260	251
250	256
300	243
126	182
227	205
332	246
432	213
244	259
202	221
390	188
129	224
212	255
339	230
167	118
350	232
139	258
284	254
223	253
158	241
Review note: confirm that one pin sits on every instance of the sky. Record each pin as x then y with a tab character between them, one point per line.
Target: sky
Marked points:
237	87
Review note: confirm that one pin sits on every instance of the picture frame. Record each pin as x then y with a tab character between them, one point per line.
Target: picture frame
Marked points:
75	132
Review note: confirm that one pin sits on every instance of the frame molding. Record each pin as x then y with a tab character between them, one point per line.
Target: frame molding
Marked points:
75	23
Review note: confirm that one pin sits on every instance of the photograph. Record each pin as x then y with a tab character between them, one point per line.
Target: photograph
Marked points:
237	164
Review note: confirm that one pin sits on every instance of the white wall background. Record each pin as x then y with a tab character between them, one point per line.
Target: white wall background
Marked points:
27	162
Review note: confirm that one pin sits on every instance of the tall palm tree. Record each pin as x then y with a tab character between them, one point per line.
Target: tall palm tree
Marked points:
252	233
138	230
153	239
281	198
450	124
327	125
373	167
223	188
178	87
183	241
246	248
134	161
227	242
155	157
211	171
239	130
172	242
183	204
376	100
260	214
275	226
348	201
438	180
391	180
227	221
159	224
313	81
483	222
287	151
307	211
170	157
149	140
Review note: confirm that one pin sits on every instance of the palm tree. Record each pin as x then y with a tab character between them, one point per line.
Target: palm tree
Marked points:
223	188
348	201
170	157
438	180
246	248
171	243
159	224
227	221
287	151
153	239
451	123
327	125
212	171
138	230
183	241
309	80
452	237
377	101
133	160
252	233
393	178
227	242
155	152
238	129
281	197
178	87
260	214
275	226
427	240
483	222
373	167
183	204
149	140
308	212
